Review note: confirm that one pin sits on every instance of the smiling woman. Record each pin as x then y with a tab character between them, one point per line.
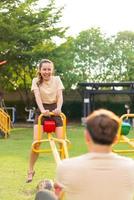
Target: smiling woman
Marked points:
47	90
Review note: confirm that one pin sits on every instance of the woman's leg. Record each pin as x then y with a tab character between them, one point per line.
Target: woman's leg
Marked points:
59	132
33	155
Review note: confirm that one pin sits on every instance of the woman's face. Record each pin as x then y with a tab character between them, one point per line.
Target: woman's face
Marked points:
46	71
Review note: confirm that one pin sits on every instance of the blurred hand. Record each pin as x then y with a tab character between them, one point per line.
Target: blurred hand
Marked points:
58	190
56	111
45	112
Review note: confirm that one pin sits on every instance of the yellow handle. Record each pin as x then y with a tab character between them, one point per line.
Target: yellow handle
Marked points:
63	117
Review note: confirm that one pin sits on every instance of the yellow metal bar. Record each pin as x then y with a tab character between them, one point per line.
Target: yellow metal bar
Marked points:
123	141
64	125
127	140
64	146
60	141
126	116
55	152
124	151
65	149
39	126
5	122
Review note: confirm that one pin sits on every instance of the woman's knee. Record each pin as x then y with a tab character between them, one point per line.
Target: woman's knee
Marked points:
37	132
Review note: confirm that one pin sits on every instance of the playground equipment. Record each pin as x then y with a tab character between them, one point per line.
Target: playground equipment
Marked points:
4	124
90	90
30	114
12	111
5	121
60	152
125	137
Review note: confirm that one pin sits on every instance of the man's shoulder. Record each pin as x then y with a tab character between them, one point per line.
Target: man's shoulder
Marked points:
125	163
125	159
89	157
74	161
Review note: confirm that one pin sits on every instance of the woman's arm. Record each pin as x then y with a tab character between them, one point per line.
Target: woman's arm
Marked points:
59	99
39	102
57	111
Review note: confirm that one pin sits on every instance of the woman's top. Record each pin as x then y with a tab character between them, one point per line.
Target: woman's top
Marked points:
48	89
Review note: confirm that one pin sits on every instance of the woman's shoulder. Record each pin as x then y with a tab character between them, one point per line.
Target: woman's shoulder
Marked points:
35	79
56	78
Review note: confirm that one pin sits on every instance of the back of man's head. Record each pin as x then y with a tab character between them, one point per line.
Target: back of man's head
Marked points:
102	126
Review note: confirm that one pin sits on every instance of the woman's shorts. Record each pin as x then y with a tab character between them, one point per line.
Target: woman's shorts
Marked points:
49	107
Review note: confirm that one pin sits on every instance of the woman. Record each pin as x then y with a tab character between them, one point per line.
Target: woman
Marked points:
47	90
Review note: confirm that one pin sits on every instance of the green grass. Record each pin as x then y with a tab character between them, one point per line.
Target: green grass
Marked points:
14	162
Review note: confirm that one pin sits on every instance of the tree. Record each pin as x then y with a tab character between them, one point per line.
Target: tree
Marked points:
64	62
99	58
126	42
91	48
26	36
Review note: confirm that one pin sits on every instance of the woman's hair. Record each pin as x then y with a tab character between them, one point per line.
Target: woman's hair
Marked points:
102	126
40	79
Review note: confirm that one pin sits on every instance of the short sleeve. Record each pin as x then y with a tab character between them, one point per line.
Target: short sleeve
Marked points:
34	84
60	85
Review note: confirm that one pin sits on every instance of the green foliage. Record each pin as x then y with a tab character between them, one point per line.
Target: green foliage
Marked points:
73	110
64	62
115	107
125	40
29	33
26	36
102	59
90	48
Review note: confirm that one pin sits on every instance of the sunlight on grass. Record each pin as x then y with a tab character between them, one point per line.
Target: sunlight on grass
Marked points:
14	162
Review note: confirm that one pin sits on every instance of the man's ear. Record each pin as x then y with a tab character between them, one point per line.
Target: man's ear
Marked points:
87	136
116	138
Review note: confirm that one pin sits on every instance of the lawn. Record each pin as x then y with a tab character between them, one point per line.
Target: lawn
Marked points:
14	162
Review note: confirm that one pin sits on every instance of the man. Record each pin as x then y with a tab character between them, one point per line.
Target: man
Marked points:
100	174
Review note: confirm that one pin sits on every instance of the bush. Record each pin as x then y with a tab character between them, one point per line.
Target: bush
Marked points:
72	109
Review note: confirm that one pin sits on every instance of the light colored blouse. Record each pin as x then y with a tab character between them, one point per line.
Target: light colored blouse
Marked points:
48	89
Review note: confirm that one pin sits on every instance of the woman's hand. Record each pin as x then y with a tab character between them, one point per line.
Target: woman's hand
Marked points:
58	190
45	112
56	111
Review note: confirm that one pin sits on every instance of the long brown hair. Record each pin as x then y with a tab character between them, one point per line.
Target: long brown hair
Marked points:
40	79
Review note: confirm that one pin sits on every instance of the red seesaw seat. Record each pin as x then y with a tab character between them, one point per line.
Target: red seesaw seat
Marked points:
49	126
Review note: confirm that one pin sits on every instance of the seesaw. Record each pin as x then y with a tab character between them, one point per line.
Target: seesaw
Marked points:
49	127
125	135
